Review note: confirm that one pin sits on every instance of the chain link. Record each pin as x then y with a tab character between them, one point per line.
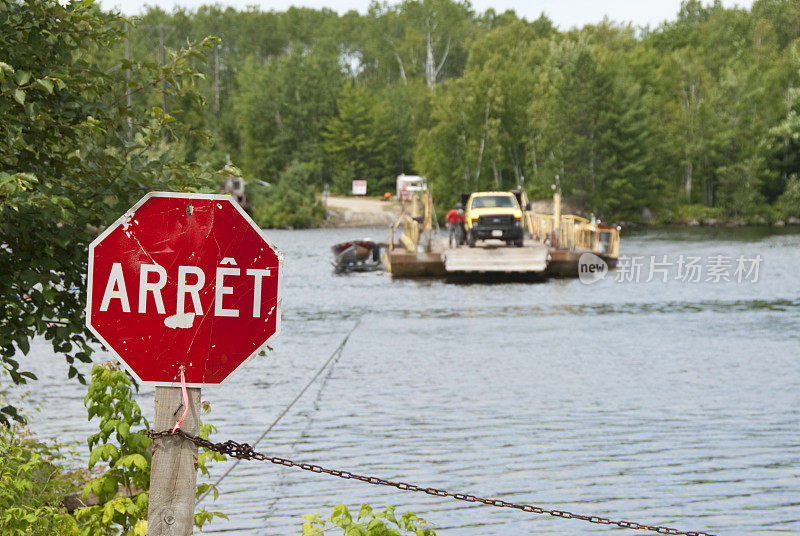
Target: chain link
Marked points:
243	451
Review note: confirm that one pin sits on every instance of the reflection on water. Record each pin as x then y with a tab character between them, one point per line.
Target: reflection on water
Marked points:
719	306
672	404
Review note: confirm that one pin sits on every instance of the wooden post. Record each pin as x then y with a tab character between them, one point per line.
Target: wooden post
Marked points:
128	78
173	474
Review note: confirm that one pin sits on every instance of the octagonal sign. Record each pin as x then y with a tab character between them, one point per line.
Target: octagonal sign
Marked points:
184	279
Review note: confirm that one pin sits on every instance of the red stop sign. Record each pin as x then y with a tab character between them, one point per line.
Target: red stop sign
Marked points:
184	279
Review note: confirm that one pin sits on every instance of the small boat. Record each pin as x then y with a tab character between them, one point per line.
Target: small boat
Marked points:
357	256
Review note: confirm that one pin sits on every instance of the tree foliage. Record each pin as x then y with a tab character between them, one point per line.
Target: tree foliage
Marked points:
33	480
290	202
122	489
73	158
689	112
367	523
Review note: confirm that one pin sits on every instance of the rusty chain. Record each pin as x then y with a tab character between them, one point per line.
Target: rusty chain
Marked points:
243	451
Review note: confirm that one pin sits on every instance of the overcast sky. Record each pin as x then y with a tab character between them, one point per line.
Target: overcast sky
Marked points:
565	13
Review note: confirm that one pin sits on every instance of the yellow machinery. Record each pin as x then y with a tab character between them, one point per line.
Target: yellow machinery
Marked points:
417	227
574	233
413	253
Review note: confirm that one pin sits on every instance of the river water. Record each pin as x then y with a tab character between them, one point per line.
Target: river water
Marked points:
672	403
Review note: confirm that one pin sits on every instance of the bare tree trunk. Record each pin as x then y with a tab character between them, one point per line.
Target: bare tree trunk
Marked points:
483	144
687	180
216	89
441	63
432	68
691	105
515	165
402	69
127	86
397	57
429	62
592	152
465	170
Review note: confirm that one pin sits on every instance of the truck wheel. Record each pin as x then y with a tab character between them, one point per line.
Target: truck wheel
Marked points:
518	242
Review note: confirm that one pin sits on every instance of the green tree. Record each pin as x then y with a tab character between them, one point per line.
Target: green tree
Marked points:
290	202
422	39
436	32
707	87
362	140
782	141
480	121
283	107
71	164
783	15
33	482
582	95
789	201
627	182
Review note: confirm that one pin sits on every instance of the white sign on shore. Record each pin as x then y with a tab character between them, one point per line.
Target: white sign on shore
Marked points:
359	187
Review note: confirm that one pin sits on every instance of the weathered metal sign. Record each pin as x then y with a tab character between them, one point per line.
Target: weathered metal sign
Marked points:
184	279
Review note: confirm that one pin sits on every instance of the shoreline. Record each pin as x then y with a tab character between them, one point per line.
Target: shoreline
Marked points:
344	212
360	212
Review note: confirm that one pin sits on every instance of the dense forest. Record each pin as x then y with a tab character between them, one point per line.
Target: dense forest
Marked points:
697	118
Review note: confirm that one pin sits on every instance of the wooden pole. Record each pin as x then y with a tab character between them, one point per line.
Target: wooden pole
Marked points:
173	474
163	57
127	86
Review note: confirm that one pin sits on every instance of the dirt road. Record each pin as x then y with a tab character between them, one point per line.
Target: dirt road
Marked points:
361	212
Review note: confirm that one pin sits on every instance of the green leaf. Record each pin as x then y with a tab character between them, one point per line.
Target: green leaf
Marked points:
94	457
375	524
45	84
23	343
22	77
111	452
19	96
140	462
140	529
339	510
49	294
108	512
123	429
365	511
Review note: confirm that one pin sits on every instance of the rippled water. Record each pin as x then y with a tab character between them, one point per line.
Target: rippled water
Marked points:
666	403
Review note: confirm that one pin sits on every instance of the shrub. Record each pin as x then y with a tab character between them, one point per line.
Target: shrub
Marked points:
789	201
110	397
290	203
368	523
685	213
32	484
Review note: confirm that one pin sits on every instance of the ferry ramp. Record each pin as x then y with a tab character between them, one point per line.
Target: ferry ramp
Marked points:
494	257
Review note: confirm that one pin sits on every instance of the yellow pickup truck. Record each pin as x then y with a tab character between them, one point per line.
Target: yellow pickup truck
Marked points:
493	215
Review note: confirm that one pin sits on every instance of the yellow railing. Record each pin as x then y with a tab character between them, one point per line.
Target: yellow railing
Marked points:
573	232
410	235
413	229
